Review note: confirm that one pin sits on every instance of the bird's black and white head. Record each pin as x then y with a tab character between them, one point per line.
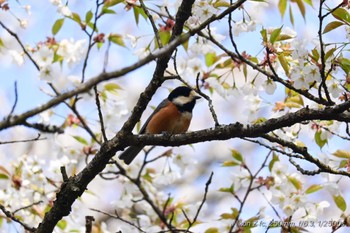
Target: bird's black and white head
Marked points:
184	98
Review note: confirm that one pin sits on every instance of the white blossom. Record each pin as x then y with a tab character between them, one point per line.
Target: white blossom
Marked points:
72	51
17	57
269	86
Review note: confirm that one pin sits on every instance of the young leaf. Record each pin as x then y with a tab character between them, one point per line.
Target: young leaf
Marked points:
273	160
329	53
117	39
345	65
62	224
106	10
318	139
81	140
313	188
109	3
301	7
340	202
263	33
308	2
291	17
212	230
342	15
275	34
282	6
296	183
164	37
112	88
315	54
210	59
230	163
236	155
88	16
76	18
342	154
331	26
284	63
137	12
57	26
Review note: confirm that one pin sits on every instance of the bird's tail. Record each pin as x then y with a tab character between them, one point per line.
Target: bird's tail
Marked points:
129	154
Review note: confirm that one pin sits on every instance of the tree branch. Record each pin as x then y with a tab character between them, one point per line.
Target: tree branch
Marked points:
15	219
237	130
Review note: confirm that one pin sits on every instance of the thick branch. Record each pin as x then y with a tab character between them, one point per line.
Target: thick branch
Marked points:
165	51
225	132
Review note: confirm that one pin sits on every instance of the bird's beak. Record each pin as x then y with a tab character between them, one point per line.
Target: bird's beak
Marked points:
197	97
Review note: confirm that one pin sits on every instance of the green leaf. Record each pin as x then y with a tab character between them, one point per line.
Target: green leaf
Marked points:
116	39
1	43
345	64
81	140
318	139
282	6
221	3
164	37
212	230
331	26
295	101
236	155
315	54
313	188
106	10
210	59
329	53
137	12
62	224
301	7
295	182
76	18
342	15
230	163
275	34
231	215
308	2
342	154
340	202
291	17
263	33
109	3
112	87
283	61
57	26
3	176
88	16
273	160
227	190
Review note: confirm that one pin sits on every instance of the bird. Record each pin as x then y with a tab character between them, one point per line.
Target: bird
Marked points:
172	116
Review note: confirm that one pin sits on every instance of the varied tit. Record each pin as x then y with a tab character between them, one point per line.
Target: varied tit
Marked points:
173	116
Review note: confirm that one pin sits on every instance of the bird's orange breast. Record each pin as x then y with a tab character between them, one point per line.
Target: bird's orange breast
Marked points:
169	119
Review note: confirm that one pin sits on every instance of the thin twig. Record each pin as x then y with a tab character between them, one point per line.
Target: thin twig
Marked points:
210	102
26	207
322	56
21	44
37	138
16	99
15	219
190	223
100	116
154	27
116	216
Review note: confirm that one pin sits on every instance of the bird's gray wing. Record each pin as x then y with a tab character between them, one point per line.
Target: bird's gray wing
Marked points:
130	153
